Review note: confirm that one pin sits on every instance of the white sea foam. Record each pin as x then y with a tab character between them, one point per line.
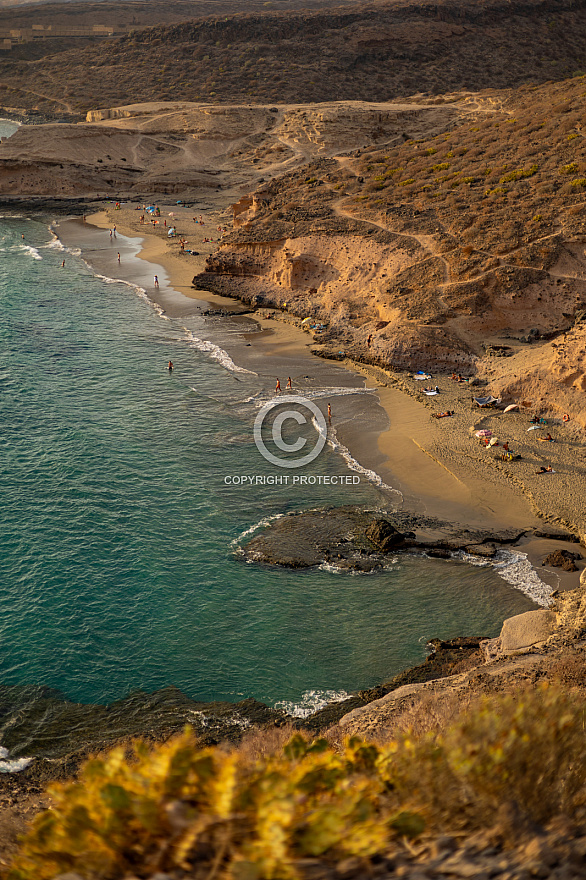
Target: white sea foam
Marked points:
215	352
136	287
8	765
27	249
262	397
311	701
235	544
336	568
515	568
204	720
57	245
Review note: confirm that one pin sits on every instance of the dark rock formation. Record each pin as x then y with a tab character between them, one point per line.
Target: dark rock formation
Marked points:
384	536
562	559
356	539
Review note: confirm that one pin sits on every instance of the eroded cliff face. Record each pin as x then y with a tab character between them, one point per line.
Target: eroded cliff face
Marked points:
394	290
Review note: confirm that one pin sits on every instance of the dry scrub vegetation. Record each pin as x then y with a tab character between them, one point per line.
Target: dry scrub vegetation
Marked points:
370	53
260	811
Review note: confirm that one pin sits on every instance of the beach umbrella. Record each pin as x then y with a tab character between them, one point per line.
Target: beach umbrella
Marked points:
171	213
511	407
485	432
533	428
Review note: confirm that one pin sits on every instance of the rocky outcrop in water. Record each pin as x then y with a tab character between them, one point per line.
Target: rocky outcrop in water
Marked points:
359	540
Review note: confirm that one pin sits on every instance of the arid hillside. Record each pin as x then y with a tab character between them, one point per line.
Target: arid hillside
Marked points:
436	251
150	150
376	52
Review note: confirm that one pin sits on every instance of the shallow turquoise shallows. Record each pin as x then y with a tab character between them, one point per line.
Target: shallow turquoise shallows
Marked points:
117	566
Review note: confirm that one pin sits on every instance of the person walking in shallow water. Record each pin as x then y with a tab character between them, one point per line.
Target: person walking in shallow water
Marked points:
289	385
170	366
278	387
118	257
156	280
329	414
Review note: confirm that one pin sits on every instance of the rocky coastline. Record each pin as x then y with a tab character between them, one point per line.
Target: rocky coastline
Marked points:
59	734
359	540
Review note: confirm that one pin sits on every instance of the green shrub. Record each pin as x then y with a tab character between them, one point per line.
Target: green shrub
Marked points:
579	183
253	815
569	169
178	805
520	173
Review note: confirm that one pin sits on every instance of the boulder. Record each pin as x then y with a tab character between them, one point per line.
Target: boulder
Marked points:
562	559
384	536
525	630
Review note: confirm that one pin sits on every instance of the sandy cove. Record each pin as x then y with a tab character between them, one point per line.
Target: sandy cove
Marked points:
439	465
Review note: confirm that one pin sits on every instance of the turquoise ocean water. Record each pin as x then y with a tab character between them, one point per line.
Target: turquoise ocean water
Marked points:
118	568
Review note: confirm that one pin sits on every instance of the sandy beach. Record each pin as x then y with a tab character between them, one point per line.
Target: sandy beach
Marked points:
441	468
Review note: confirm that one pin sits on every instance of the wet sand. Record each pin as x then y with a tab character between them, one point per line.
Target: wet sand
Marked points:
437	464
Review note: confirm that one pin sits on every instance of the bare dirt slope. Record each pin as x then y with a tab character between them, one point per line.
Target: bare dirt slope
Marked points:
163	148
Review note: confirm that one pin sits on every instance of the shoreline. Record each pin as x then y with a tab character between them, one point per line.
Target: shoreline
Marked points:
432	481
276	334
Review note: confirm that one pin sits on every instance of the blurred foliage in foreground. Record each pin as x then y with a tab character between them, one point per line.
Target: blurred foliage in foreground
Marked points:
253	815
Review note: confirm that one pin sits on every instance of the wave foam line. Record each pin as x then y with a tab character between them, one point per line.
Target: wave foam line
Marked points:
12	766
57	245
262	397
355	465
311	701
515	568
336	568
28	249
235	544
215	352
135	287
